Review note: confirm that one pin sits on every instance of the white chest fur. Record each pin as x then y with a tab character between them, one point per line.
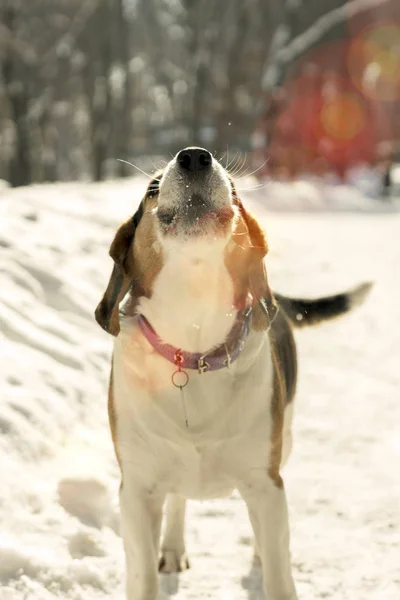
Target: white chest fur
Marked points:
192	299
228	413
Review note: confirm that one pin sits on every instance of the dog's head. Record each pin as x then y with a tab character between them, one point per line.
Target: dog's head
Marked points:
193	197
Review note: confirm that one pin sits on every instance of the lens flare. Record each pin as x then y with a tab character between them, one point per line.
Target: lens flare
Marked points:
342	118
374	62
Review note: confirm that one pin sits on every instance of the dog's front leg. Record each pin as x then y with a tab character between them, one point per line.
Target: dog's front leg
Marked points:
141	514
266	503
173	553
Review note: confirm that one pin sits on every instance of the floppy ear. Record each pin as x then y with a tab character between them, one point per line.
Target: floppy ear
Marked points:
107	312
264	305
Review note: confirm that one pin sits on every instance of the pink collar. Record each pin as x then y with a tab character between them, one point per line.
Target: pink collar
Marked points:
213	360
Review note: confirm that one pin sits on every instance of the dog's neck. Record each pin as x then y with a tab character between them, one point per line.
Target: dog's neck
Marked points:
192	301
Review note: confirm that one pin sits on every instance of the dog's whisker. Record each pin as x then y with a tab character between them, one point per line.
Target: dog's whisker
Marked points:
227	157
238	173
255	185
243	162
232	163
136	167
255	171
231	168
239	168
221	158
236	166
255	188
163	163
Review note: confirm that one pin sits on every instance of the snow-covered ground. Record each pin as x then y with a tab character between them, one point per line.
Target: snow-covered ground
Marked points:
360	193
58	491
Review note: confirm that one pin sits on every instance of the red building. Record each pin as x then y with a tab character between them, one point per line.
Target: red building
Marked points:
339	106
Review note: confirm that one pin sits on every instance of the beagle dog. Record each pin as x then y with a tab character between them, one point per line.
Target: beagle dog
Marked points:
203	371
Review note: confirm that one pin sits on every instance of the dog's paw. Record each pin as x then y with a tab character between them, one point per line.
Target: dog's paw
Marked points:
172	561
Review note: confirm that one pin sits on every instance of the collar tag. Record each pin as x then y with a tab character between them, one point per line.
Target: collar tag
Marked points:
202	365
228	359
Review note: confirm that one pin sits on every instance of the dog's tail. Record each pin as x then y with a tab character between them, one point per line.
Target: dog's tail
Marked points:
304	312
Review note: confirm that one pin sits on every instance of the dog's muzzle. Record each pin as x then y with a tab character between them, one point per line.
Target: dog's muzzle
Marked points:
194	196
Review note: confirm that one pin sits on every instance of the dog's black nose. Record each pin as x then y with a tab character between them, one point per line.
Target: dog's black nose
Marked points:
194	159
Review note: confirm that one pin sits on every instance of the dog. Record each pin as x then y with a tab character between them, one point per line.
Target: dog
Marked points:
204	369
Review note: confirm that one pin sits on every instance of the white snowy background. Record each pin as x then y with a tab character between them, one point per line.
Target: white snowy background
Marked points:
59	530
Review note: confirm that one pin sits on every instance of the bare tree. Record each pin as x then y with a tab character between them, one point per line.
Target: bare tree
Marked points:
16	59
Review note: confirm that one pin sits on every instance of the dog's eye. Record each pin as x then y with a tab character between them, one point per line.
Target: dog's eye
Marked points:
166	217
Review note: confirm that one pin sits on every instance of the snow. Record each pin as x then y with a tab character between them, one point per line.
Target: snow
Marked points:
59	525
361	192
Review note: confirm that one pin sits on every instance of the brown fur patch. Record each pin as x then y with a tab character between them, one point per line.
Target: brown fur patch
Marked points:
107	312
283	352
256	234
238	260
277	413
136	264
245	263
282	340
147	257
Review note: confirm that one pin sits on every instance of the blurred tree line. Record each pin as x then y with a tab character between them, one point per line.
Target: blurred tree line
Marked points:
84	82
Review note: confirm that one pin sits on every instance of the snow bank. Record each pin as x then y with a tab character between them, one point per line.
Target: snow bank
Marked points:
55	449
